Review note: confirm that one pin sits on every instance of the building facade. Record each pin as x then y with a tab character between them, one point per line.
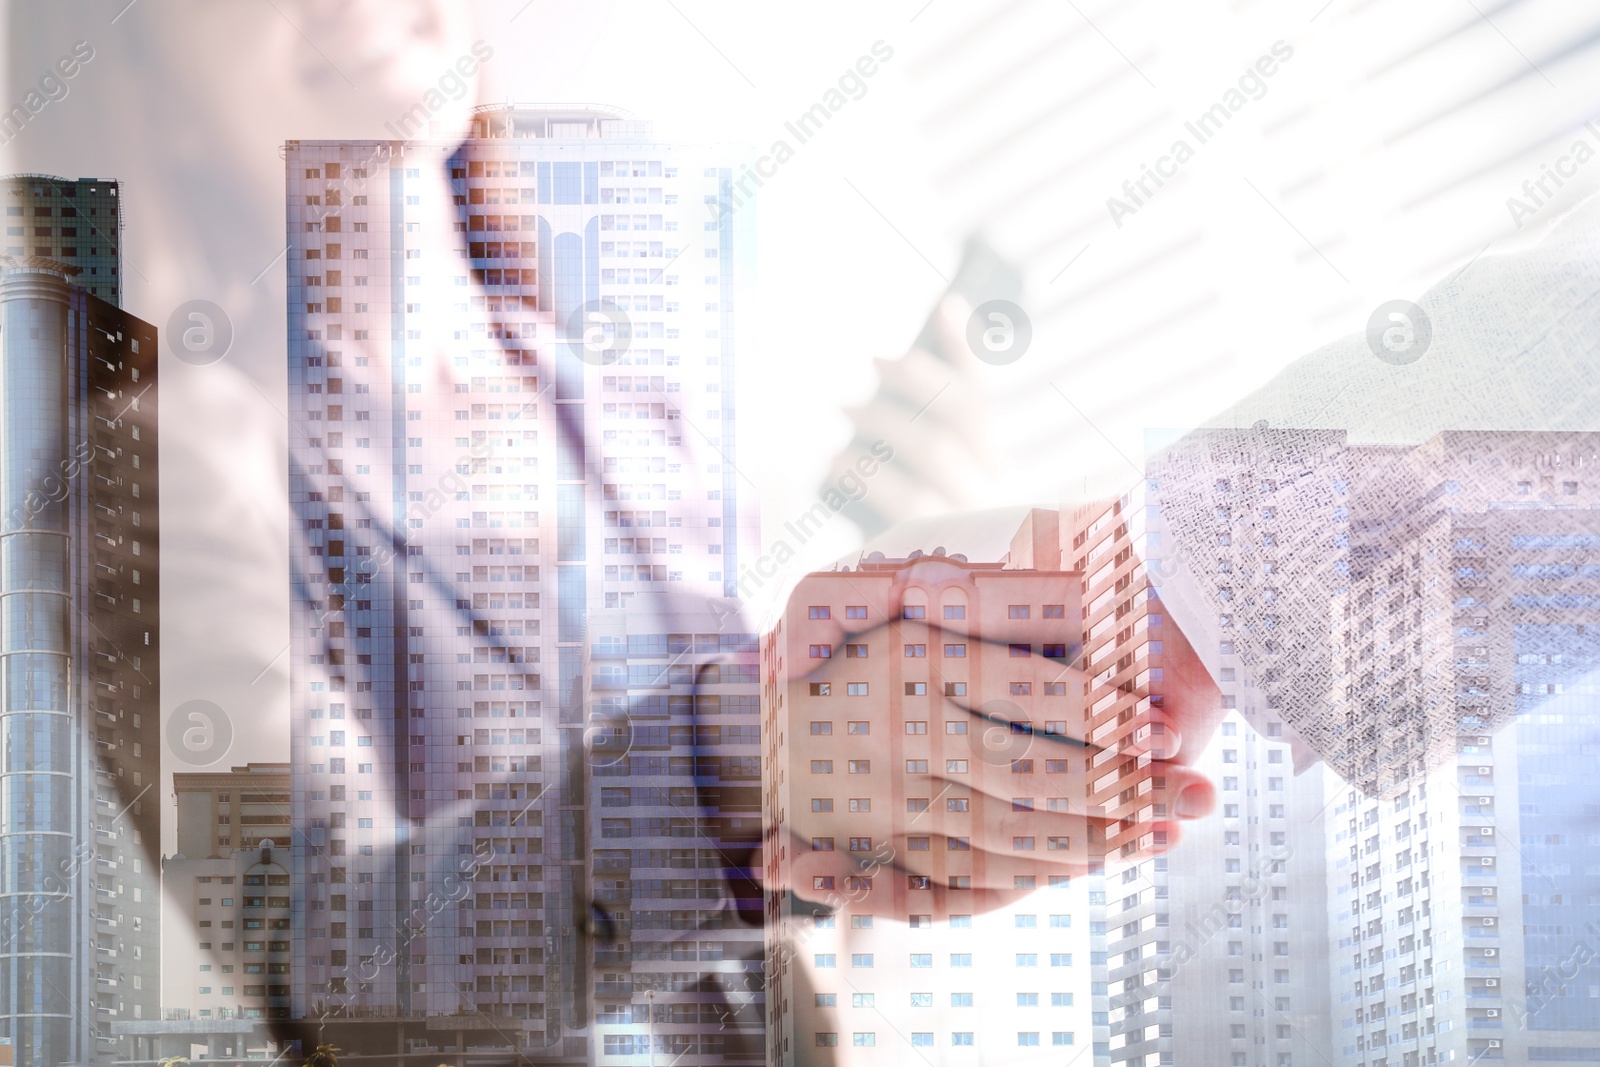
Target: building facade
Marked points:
512	363
231	965
1463	903
674	787
76	221
1420	614
929	854
80	716
222	811
1217	944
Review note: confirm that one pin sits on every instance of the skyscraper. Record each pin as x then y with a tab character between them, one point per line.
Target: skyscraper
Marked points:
513	392
1218	943
80	713
1421	613
1464	915
674	772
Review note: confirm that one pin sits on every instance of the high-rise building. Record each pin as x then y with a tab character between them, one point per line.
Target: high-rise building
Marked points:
674	841
512	382
80	713
1420	613
1219	943
930	853
78	222
222	811
1464	912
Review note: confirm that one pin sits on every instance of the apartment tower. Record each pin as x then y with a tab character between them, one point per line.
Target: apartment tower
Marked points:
512	377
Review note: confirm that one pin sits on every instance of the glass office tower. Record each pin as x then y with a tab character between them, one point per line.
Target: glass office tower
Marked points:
80	660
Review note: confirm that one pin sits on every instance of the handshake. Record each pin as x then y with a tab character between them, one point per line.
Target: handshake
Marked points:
934	745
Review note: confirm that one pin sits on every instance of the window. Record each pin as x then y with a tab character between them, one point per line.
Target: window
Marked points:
827	1000
1017	611
822	766
960	922
822	804
861	960
819	729
916	651
958	844
821	651
921	959
1021	651
855	651
822	844
916	804
863	1040
955	611
856	689
1027	959
861	844
821	689
955	651
1027	1037
1061	1037
957	804
860	922
921	1039
826	959
858	728
1061	959
961	1037
1055	611
916	766
916	727
827	1039
913	611
860	766
955	689
855	611
1061	1000
961	959
916	689
955	766
922	1000
860	804
817	612
1025	922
